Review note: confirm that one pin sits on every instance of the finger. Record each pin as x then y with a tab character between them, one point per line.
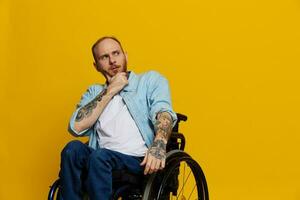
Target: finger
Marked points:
145	159
163	163
123	73
148	165
120	74
157	166
152	166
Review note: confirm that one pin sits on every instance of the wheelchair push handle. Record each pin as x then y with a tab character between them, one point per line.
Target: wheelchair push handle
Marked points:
180	117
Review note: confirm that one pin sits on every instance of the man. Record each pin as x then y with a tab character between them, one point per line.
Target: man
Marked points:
128	121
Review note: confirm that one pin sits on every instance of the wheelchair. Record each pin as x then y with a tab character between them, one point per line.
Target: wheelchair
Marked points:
182	178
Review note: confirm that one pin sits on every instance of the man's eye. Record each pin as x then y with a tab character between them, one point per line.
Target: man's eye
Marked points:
116	53
104	57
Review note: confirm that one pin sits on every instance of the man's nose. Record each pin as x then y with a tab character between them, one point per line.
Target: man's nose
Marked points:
111	60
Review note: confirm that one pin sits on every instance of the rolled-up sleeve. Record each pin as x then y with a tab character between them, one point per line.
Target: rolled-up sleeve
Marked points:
85	99
159	97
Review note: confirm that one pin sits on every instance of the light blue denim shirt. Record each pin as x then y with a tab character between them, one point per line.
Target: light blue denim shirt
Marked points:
145	95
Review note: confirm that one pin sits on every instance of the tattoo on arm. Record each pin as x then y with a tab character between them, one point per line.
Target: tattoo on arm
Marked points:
163	126
163	129
87	110
158	149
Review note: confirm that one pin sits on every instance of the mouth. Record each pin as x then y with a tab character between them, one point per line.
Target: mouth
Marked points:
115	67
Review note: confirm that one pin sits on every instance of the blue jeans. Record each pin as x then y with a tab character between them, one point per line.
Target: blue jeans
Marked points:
86	169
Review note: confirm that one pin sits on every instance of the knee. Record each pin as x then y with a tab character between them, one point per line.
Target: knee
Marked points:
72	148
100	155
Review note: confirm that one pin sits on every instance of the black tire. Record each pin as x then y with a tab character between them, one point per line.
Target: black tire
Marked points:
54	190
160	185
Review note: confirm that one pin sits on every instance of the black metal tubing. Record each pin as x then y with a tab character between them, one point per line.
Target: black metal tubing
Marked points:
53	188
180	117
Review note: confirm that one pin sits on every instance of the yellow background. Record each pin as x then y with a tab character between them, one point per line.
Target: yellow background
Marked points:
233	68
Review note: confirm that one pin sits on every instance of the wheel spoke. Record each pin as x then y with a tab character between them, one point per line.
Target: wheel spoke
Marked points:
192	191
176	177
183	174
183	185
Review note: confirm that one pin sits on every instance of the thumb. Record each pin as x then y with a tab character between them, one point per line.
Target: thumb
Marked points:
145	160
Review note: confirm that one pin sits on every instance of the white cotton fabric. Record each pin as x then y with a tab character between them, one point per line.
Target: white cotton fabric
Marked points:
118	131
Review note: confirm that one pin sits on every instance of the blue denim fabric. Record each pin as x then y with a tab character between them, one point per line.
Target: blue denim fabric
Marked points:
145	96
86	169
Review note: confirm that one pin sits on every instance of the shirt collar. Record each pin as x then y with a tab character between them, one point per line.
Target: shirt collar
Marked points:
132	82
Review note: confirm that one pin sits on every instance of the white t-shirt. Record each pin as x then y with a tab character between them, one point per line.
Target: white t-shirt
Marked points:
118	131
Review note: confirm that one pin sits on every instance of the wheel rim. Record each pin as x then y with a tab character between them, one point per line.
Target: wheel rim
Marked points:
54	190
191	182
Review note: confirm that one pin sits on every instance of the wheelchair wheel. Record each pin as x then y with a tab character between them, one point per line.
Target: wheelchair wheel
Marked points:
182	179
54	191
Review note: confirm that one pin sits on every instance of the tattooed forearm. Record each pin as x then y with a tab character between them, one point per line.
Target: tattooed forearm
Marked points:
163	126
158	149
87	110
163	129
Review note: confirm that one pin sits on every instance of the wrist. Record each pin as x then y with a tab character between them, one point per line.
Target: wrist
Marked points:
109	93
112	91
161	139
160	145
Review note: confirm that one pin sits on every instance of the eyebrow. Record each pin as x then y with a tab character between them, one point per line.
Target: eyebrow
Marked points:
115	51
103	55
106	54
